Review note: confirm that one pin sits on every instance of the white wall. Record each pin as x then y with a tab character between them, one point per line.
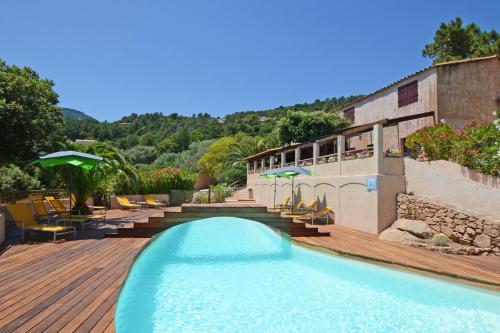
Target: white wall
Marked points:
441	181
352	204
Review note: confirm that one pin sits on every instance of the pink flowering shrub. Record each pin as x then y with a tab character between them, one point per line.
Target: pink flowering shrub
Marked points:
476	146
162	180
437	141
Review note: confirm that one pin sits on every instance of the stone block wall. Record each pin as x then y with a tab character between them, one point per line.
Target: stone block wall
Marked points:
461	227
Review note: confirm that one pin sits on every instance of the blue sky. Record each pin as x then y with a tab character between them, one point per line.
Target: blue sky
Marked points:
112	58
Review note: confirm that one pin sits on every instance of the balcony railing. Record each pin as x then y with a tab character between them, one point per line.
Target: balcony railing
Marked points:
327	159
358	154
305	162
289	164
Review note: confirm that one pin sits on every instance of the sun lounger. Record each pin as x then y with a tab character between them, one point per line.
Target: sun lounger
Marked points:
42	212
92	208
301	211
322	214
64	214
125	203
21	213
285	204
151	202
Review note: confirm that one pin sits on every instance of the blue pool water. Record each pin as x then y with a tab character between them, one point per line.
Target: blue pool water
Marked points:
235	275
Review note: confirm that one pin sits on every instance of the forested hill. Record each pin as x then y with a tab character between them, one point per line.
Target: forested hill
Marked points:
174	133
76	115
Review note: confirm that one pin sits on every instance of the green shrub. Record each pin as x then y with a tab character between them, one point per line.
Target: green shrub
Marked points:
219	192
200	198
440	240
437	142
475	147
162	180
478	148
14	179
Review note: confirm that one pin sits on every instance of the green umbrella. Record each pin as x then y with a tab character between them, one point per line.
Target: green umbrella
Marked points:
70	158
289	172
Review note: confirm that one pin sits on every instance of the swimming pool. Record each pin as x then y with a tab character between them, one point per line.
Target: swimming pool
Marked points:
234	275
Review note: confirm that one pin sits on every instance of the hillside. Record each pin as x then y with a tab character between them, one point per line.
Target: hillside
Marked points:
76	115
174	133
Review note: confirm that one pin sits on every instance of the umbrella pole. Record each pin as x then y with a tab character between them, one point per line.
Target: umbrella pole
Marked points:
70	193
293	199
274	199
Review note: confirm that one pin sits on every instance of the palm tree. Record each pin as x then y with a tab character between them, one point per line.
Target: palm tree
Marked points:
244	147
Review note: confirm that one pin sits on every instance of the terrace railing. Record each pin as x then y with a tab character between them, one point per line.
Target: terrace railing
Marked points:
327	159
358	154
306	162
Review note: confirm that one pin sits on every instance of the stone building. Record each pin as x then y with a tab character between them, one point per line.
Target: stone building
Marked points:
456	92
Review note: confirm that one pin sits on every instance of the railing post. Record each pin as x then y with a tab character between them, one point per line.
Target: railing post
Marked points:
340	151
283	159
297	155
340	147
378	147
315	153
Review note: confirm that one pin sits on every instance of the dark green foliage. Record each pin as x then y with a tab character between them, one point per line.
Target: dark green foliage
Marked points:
76	115
301	126
174	133
452	41
141	154
12	178
29	117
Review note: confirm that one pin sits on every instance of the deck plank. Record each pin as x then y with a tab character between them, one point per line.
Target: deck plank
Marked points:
349	241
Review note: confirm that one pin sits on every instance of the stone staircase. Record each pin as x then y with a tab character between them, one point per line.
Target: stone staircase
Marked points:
241	195
192	212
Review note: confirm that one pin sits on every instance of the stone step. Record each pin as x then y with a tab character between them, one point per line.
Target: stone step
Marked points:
151	231
169	224
242	214
223	208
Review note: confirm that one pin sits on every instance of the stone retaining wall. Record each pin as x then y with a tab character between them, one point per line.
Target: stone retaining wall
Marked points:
461	227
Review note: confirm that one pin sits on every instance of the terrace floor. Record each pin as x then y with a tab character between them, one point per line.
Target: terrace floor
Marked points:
73	285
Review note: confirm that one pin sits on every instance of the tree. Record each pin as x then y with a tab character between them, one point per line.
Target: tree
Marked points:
302	126
215	159
29	116
243	147
454	42
141	154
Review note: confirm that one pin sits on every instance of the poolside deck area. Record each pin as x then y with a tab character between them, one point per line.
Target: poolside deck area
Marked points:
73	286
357	244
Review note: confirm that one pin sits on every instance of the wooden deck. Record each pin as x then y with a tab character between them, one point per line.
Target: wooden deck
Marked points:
369	247
73	286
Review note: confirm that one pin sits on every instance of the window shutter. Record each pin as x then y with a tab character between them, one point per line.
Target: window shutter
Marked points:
408	93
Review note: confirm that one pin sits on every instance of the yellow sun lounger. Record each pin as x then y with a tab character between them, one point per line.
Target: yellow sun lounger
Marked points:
310	207
124	203
285	204
80	219
322	214
92	208
296	207
150	201
41	211
21	213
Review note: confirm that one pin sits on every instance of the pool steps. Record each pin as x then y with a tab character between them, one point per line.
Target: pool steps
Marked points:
157	224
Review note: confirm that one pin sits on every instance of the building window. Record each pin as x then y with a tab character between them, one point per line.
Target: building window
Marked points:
349	114
408	93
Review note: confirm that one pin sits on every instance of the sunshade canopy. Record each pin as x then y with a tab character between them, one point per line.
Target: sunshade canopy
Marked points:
286	172
69	157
